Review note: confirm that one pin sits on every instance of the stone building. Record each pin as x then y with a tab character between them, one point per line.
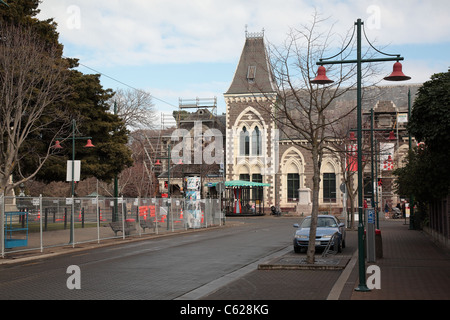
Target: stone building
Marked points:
255	151
250	131
198	129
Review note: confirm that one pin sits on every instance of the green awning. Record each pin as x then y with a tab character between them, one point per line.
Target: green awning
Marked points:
241	183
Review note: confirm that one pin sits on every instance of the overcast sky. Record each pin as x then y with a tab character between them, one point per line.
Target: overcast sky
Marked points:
190	48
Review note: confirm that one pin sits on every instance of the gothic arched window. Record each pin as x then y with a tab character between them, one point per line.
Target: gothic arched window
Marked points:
256	142
244	142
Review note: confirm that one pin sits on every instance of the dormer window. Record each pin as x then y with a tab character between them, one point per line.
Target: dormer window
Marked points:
251	74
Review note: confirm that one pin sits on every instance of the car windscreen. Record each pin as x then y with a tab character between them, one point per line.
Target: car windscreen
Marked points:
322	222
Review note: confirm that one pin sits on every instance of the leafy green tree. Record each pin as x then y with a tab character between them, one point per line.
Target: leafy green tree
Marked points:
426	173
26	151
23	13
88	105
430	117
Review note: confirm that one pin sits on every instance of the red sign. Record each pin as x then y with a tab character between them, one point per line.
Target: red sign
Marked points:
352	162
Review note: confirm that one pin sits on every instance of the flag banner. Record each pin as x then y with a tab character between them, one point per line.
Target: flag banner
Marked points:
352	157
387	156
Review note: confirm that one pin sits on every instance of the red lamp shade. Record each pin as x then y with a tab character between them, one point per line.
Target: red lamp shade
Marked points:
397	74
57	145
392	136
157	163
321	77
89	144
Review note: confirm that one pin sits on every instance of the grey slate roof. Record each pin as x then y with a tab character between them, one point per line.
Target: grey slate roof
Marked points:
253	73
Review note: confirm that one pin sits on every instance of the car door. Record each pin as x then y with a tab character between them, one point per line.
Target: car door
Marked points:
341	227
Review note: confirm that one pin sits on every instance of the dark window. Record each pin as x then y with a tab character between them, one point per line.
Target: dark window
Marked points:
244	177
257	192
245	195
293	184
329	187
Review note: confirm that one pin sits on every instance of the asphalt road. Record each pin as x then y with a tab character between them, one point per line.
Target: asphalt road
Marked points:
165	268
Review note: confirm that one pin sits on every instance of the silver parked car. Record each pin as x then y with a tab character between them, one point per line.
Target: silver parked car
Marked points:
326	227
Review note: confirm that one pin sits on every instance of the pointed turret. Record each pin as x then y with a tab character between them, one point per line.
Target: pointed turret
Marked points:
253	73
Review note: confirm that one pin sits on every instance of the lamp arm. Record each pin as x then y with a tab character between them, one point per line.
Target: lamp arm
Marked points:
383	53
345	48
321	61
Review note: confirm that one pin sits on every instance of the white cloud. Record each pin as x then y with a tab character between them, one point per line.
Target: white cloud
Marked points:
420	70
144	42
136	32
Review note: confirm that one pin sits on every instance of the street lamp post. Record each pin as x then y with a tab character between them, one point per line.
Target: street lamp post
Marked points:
397	75
58	146
374	188
411	196
373	160
169	200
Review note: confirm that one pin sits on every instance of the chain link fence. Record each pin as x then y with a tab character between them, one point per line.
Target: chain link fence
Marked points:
36	223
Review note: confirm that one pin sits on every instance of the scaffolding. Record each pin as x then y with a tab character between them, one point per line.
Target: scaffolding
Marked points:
156	143
200	104
167	121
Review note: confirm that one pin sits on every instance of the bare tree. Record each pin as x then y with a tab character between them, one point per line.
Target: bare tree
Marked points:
344	145
305	112
139	180
32	80
135	107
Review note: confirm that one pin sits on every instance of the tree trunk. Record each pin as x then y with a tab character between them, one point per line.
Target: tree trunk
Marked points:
310	257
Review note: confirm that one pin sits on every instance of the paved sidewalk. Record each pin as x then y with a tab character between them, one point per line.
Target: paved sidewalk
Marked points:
412	268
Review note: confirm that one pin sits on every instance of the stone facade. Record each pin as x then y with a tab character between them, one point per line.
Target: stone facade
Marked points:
278	161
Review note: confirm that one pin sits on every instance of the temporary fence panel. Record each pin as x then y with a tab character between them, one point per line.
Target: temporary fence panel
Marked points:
68	221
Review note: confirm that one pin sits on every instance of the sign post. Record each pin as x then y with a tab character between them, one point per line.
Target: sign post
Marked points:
370	235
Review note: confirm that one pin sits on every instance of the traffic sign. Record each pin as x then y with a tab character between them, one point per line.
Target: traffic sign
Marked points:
370	216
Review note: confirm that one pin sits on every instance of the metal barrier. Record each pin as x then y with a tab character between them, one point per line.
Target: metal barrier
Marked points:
55	222
331	244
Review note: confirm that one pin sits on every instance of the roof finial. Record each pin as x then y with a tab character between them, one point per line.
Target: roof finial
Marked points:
249	35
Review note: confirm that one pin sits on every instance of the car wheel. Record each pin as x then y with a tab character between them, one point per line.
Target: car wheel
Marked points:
337	247
297	249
